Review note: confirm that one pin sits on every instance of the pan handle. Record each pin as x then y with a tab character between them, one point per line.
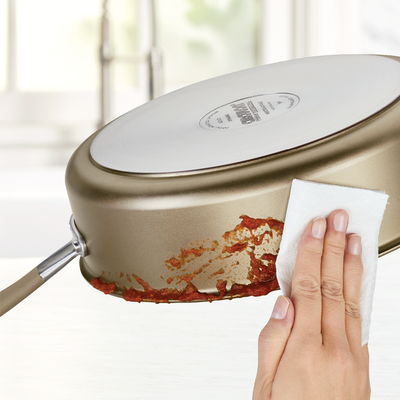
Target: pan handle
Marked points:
21	289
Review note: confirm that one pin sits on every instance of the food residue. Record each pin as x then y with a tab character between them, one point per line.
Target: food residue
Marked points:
254	242
103	286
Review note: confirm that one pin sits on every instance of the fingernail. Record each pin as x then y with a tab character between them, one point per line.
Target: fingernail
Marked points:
340	221
280	308
318	227
354	245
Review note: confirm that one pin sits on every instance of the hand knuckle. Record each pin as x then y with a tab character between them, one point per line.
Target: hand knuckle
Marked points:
332	288
313	252
335	248
271	336
354	269
307	287
352	309
344	360
341	356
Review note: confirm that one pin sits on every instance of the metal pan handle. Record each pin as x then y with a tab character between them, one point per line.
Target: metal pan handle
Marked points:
21	289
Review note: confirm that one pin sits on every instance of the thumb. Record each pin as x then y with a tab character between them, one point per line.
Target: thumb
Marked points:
271	345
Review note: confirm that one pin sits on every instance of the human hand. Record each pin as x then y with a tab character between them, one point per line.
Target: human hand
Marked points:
311	346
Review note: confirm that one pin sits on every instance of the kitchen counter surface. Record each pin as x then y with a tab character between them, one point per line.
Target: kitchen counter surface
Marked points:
69	341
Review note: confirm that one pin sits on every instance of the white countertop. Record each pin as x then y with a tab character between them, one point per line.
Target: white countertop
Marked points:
69	341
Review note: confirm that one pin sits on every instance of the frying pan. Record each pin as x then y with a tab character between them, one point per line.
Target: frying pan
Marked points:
184	198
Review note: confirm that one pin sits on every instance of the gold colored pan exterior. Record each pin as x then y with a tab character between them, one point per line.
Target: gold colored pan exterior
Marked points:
136	225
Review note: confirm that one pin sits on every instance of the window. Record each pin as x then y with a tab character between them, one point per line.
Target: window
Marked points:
201	39
49	56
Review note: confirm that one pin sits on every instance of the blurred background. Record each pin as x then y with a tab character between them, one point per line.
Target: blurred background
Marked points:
68	67
51	62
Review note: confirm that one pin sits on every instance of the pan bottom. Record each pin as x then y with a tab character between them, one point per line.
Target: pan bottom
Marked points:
240	263
189	294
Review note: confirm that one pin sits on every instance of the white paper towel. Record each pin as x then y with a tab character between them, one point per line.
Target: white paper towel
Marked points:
309	200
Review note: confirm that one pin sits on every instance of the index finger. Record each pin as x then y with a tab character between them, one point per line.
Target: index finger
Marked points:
306	282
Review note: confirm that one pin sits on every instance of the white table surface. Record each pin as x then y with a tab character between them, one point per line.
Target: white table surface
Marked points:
69	341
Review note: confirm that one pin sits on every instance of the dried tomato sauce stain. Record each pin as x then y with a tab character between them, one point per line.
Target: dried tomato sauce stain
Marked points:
262	277
243	239
189	293
236	247
103	286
